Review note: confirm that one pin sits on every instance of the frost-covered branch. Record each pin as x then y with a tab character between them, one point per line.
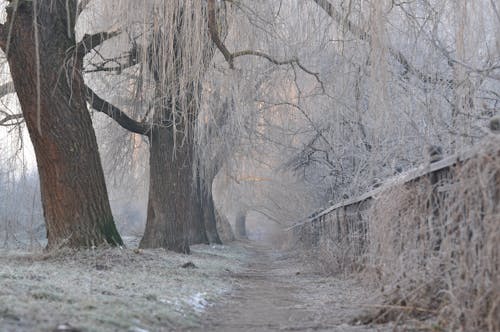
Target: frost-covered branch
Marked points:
361	34
214	35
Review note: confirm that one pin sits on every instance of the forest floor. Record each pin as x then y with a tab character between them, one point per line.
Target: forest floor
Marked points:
237	287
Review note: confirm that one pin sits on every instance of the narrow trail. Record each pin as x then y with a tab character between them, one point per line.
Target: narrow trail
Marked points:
278	292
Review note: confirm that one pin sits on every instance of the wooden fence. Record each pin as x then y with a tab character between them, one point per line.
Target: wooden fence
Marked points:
348	221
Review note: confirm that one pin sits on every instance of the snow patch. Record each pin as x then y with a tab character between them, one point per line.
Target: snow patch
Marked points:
198	302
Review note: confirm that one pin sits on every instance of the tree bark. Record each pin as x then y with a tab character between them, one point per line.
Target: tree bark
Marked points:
208	208
47	75
170	208
224	228
240	226
197	229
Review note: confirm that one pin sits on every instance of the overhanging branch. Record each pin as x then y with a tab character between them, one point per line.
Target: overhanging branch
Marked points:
89	42
103	106
118	66
337	16
214	35
294	61
361	34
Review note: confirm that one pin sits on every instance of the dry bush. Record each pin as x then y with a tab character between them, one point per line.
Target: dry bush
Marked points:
436	245
400	254
337	257
334	243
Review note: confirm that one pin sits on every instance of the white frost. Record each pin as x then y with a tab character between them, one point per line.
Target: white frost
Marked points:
198	302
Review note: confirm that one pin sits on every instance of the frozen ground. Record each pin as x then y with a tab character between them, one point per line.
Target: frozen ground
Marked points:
236	287
113	289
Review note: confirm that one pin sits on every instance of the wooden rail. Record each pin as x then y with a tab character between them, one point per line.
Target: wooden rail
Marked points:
347	221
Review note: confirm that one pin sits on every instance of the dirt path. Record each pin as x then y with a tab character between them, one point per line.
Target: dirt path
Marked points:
279	293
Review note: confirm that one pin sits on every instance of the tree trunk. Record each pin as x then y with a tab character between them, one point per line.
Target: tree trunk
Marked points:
208	208
178	212
175	218
224	228
240	226
197	230
170	205
52	97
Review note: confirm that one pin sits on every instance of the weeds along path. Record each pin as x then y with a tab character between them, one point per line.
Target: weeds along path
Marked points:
277	292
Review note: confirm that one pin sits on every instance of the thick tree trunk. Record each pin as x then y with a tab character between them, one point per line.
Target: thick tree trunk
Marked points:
179	212
170	208
52	96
